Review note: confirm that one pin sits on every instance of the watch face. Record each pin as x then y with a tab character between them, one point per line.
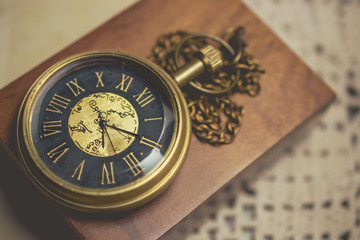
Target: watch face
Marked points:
100	122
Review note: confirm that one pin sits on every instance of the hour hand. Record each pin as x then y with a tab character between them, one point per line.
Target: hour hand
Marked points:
103	126
102	137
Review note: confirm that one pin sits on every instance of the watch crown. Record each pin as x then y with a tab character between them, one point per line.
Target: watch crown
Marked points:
211	57
206	59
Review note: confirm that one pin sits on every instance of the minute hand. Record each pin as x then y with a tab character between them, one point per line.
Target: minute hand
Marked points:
124	131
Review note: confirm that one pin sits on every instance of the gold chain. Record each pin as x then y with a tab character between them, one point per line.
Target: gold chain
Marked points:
216	119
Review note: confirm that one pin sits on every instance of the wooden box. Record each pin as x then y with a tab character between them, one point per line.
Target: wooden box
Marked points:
291	93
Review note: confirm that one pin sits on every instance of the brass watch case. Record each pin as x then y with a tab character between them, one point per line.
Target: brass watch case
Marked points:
119	198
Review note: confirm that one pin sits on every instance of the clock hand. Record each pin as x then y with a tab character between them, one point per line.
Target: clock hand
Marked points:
102	137
110	139
124	131
102	131
102	124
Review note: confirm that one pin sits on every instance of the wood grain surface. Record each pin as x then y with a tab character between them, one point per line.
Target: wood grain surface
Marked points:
290	94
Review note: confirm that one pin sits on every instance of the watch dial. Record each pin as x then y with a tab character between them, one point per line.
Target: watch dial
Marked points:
102	122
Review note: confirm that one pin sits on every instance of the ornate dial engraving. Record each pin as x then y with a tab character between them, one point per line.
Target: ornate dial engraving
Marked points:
103	124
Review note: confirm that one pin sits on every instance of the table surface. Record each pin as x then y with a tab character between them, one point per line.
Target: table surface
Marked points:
311	165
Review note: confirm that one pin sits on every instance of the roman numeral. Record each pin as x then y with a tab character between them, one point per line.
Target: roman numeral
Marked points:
125	82
152	119
99	76
56	153
74	87
150	143
56	103
133	163
107	177
78	171
51	127
144	98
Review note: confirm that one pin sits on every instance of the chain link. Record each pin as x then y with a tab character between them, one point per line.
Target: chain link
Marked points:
216	119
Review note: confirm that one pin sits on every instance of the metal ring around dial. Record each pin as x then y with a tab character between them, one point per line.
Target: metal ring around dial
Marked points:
223	43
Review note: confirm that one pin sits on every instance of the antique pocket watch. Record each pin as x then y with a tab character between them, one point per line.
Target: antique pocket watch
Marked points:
107	131
103	131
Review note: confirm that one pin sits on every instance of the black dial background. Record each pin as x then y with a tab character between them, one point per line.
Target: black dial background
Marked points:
160	131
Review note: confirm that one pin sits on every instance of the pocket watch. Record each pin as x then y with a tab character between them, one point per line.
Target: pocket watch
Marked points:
104	131
108	131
